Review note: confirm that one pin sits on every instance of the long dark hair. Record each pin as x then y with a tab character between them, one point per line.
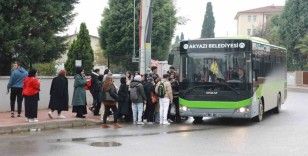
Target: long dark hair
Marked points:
79	70
106	71
32	72
123	80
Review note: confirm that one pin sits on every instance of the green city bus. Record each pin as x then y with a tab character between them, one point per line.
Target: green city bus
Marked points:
230	77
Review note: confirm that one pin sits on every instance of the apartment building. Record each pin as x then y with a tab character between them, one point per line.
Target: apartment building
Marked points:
249	22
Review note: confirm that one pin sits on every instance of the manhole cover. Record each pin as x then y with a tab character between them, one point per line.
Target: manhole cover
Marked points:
105	144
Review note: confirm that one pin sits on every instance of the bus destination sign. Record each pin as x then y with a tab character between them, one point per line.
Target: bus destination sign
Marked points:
214	45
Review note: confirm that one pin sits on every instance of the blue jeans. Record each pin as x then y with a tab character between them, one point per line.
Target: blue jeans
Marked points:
137	110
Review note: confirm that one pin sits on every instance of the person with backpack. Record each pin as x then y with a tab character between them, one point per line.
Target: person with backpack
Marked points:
137	97
110	100
164	91
95	90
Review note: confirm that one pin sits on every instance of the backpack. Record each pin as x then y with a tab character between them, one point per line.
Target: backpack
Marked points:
161	92
134	93
88	84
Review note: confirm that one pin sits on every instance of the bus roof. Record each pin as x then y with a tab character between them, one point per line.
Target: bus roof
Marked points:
253	39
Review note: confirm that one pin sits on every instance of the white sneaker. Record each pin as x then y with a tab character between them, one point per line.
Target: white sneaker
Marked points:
170	121
61	117
35	120
30	120
166	123
50	115
140	123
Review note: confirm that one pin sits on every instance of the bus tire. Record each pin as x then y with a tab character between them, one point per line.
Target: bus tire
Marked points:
278	108
198	120
184	118
259	117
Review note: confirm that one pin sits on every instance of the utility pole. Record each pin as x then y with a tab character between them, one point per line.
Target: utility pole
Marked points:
145	35
134	58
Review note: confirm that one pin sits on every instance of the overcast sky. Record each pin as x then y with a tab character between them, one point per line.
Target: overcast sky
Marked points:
90	11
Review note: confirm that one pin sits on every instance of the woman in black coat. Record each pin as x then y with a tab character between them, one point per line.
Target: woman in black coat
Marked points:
123	100
58	95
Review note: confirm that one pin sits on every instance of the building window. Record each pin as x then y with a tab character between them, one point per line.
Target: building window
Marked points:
254	32
249	18
254	18
248	31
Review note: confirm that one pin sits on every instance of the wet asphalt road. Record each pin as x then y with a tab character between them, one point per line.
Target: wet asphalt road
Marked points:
283	134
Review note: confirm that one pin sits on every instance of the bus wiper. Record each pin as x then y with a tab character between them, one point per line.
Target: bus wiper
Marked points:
200	86
227	85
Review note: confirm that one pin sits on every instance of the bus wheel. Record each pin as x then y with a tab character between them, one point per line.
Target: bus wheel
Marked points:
197	120
278	108
184	118
259	117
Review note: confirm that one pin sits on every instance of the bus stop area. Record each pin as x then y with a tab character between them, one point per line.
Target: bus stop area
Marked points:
19	124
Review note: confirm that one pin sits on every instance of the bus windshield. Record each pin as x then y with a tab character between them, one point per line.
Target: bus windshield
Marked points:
219	68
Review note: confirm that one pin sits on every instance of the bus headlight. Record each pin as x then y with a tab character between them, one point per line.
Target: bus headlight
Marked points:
184	108
243	110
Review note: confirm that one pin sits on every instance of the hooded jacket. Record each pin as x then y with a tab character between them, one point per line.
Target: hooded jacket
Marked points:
17	77
140	91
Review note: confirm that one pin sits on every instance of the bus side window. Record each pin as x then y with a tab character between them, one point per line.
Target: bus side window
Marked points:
256	68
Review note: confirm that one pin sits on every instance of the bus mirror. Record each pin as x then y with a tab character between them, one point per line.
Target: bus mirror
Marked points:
170	59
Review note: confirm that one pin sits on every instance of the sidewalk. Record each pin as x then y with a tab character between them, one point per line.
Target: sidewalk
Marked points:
303	89
19	124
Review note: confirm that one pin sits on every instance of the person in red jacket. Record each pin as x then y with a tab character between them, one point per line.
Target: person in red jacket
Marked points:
31	89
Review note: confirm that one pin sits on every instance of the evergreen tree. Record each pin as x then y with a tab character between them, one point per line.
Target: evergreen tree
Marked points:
182	36
80	50
208	23
116	30
293	27
164	22
303	45
28	30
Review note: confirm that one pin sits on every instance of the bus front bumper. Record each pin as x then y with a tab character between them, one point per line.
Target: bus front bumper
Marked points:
244	112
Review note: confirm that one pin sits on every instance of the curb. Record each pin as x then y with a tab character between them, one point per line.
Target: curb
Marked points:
47	125
298	89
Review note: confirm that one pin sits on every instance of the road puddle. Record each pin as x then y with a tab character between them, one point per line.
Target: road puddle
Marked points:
105	144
